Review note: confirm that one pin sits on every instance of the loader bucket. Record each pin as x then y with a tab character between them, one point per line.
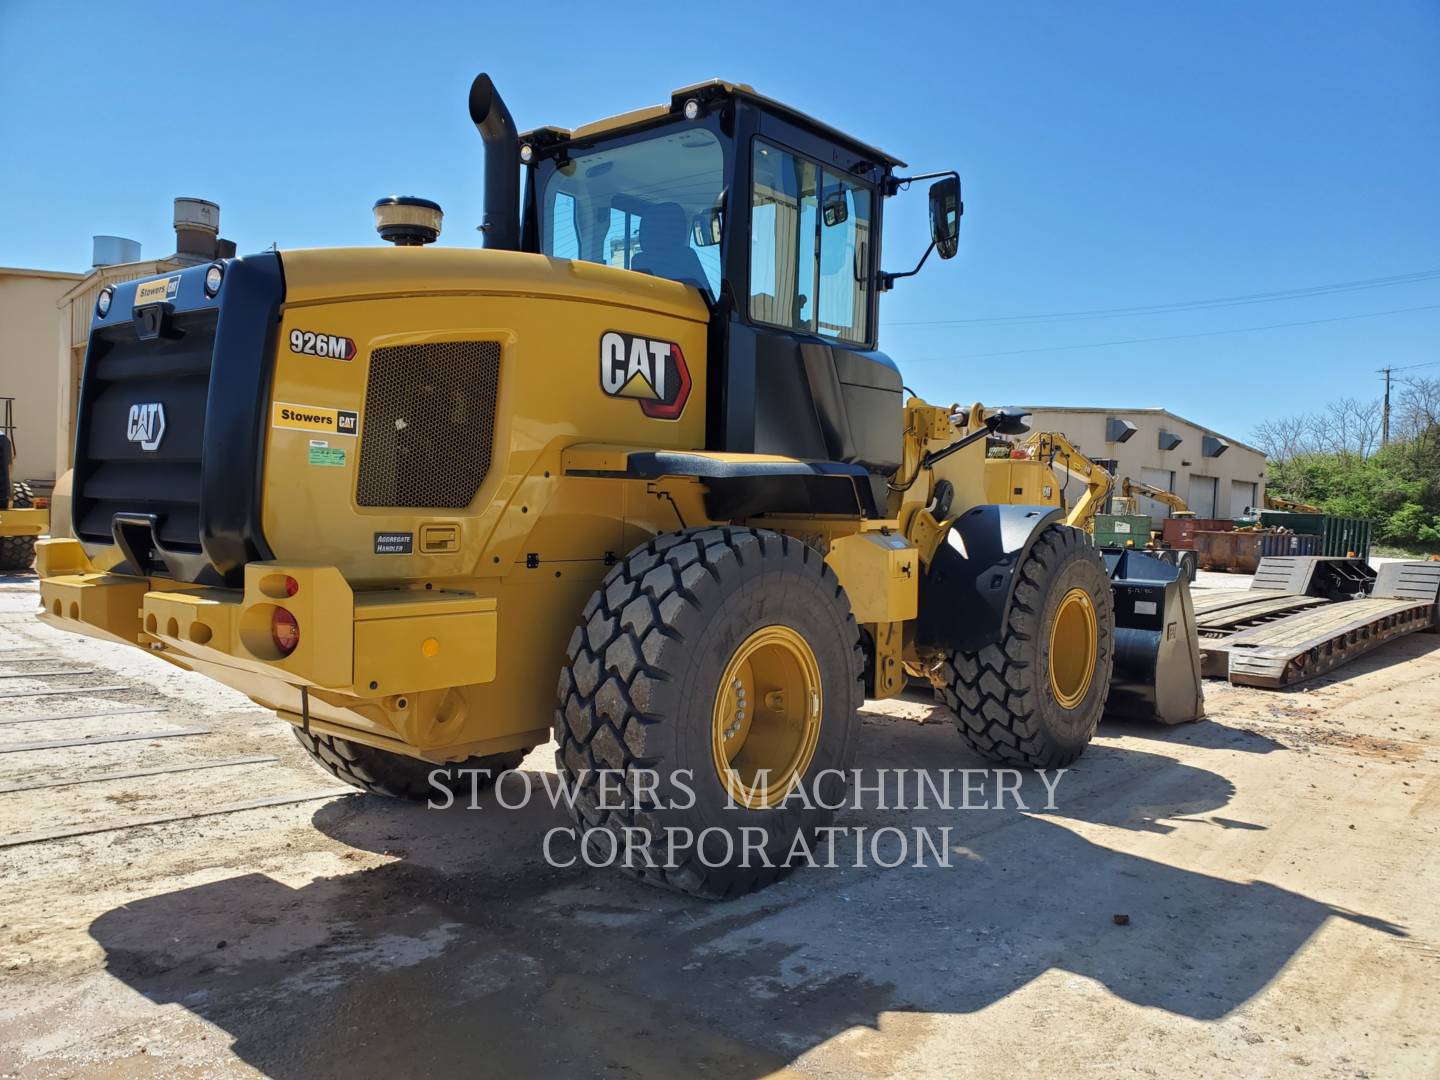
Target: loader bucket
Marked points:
1157	652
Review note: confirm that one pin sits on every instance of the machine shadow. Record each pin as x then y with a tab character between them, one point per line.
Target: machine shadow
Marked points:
469	954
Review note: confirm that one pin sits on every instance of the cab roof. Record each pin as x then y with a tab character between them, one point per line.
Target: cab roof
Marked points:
707	91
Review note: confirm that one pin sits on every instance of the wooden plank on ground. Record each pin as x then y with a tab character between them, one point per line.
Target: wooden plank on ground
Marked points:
161	819
80	715
99	740
43	674
162	770
66	690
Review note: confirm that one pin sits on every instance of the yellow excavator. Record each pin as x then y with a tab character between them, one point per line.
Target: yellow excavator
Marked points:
1131	490
1275	502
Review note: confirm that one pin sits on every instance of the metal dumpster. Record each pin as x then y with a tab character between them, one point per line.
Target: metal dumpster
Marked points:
1122	530
1339	536
1180	532
1243	549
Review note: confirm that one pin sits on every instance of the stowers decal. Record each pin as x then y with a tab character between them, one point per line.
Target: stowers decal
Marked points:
652	372
284	414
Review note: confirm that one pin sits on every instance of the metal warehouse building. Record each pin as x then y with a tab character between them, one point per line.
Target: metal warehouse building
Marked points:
1216	475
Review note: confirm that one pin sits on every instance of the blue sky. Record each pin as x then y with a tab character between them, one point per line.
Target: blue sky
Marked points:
1114	155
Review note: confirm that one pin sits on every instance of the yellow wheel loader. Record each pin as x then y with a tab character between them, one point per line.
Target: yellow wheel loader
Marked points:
23	517
642	446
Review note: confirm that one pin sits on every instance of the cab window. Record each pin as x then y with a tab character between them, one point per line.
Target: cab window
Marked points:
641	206
809	246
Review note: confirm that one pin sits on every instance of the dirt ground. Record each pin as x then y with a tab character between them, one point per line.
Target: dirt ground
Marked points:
1274	862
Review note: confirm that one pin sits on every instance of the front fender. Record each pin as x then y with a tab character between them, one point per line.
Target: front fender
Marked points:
966	593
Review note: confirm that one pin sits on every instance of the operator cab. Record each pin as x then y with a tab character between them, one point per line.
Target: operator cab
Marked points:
775	218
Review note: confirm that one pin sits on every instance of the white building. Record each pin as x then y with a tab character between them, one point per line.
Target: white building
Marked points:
1216	475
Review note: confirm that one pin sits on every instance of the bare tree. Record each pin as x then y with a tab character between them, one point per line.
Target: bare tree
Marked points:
1416	414
1348	426
1345	426
1285	437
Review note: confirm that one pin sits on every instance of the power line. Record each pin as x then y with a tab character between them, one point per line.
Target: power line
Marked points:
1182	305
1199	334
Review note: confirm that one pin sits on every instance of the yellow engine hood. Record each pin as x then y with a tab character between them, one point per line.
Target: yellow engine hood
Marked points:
315	275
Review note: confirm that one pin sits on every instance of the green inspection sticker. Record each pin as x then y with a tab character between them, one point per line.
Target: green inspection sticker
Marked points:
327	455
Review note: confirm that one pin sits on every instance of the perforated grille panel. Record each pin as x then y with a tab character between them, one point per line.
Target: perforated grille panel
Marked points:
429	424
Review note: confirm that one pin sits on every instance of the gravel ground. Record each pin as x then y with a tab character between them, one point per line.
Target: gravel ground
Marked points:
1245	895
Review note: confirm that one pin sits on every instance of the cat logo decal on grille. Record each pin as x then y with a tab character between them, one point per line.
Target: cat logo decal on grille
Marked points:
653	373
146	425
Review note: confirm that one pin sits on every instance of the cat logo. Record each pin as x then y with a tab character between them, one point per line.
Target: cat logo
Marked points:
146	425
651	372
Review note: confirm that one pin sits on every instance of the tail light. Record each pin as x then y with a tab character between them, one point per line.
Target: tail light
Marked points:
284	630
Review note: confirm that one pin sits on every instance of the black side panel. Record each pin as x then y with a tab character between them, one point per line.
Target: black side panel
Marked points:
237	414
805	397
965	595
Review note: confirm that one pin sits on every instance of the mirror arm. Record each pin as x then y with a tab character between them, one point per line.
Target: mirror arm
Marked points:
894	184
885	282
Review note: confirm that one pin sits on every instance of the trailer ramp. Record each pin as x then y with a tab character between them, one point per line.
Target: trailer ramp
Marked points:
1305	616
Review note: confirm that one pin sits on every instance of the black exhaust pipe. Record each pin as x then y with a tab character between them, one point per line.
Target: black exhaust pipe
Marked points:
492	119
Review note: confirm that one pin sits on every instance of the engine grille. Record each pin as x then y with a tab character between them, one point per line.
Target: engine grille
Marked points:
429	424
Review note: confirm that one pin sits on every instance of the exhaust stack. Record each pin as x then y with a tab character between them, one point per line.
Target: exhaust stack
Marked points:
492	119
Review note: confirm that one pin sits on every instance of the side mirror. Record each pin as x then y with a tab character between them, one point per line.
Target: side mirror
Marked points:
705	229
833	209
945	211
1004	421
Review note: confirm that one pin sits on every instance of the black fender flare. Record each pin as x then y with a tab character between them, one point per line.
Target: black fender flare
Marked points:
739	486
966	593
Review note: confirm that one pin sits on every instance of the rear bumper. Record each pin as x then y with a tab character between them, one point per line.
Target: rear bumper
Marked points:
376	666
24	522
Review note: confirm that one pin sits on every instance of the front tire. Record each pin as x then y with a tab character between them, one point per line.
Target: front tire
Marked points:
705	656
1035	697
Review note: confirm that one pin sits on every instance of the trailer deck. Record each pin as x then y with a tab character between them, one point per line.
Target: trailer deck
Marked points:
1305	616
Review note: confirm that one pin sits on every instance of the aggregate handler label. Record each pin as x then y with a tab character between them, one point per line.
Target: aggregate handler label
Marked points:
283	414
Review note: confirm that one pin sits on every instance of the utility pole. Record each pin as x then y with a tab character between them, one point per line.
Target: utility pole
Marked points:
1385	409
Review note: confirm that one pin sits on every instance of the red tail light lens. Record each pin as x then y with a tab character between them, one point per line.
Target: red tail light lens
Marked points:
285	631
291	586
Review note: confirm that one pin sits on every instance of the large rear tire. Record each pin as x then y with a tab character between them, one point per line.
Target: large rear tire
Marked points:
396	776
705	656
1035	697
18	552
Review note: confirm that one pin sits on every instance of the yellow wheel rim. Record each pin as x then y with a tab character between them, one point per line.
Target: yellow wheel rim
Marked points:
767	716
1074	641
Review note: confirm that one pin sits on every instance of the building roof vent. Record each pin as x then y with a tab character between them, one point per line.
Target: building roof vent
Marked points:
1213	446
1117	430
1169	440
112	250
